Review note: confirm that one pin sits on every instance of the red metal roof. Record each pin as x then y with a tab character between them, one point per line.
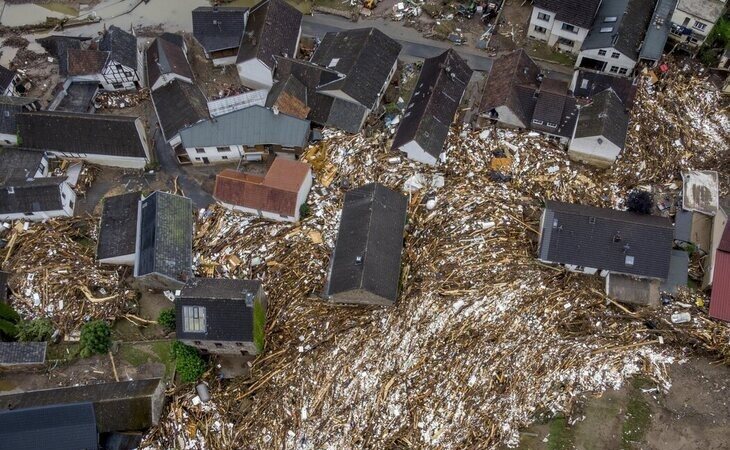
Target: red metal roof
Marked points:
720	300
725	239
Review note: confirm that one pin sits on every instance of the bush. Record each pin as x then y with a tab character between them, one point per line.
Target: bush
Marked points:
166	319
36	330
8	321
640	202
96	337
188	363
304	211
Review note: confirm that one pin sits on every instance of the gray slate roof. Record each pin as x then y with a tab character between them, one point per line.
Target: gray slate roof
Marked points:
605	116
6	77
118	226
10	107
272	30
57	427
22	352
574	12
371	227
227	316
121	45
658	30
218	28
163	57
17	164
34	195
178	104
627	32
166	236
365	56
569	237
4	286
432	106
255	125
122	406
94	134
598	82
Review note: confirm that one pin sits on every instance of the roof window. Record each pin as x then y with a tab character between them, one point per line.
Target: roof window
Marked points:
606	29
610	19
629	261
333	63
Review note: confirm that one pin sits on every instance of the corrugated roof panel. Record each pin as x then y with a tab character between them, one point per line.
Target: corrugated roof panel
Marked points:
720	300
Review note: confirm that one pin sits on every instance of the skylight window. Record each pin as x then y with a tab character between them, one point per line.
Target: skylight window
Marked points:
629	261
606	29
610	19
333	63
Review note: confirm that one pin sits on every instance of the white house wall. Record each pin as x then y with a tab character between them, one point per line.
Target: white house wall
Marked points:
8	139
680	16
68	202
123	260
225	61
554	30
125	162
303	192
415	152
589	150
112	75
622	61
168	77
256	212
255	74
506	116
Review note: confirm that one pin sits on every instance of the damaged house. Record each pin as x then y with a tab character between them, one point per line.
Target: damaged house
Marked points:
248	134
427	119
166	60
273	29
615	39
178	104
346	77
118	229
630	250
600	133
278	195
114	64
26	190
9	82
219	30
115	141
164	244
366	261
221	316
517	95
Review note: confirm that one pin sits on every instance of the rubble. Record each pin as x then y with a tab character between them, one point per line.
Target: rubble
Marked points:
118	100
483	337
54	274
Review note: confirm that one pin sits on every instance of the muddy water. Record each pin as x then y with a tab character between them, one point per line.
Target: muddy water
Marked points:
26	14
8	53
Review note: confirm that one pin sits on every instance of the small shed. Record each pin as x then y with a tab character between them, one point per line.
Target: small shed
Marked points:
22	355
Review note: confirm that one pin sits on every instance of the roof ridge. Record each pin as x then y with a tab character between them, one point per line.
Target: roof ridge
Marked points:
367	236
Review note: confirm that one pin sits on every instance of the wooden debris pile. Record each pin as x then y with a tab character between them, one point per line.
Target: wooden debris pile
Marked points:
483	336
54	274
124	99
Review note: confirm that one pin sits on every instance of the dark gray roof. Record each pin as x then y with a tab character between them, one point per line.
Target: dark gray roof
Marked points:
272	30
6	77
121	45
173	38
605	116
4	286
178	104
371	227
550	102
18	164
432	106
22	352
122	406
574	12
227	316
93	134
605	239
33	195
598	82
163	57
118	226
79	97
678	272
658	30
166	236
255	125
57	427
346	116
58	47
218	28
365	56
311	76
626	33
10	107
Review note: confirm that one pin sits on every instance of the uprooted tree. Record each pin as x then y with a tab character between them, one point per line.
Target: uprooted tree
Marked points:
640	202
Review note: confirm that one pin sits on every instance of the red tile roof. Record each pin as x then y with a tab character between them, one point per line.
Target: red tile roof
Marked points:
86	62
720	300
276	192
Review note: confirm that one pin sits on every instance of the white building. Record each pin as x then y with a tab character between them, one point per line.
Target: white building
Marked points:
561	24
692	20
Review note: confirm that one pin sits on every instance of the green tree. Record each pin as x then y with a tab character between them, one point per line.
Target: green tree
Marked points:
96	337
166	319
36	330
8	321
188	363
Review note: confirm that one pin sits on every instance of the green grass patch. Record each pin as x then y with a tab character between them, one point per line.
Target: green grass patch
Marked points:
64	351
259	324
560	437
6	385
540	50
637	418
444	28
134	355
163	350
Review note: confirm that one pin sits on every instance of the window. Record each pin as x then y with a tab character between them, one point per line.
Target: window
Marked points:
224	157
119	67
543	16
538	29
218	345
239	344
569	27
591	220
584	84
197	342
629	261
563	41
615	55
193	319
610	19
223	149
700	26
606	29
127	74
199	150
71	204
537	122
601	52
614	69
63	196
552	125
623	71
118	85
197	159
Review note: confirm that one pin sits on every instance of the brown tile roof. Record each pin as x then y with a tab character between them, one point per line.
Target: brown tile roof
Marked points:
508	73
86	62
276	192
